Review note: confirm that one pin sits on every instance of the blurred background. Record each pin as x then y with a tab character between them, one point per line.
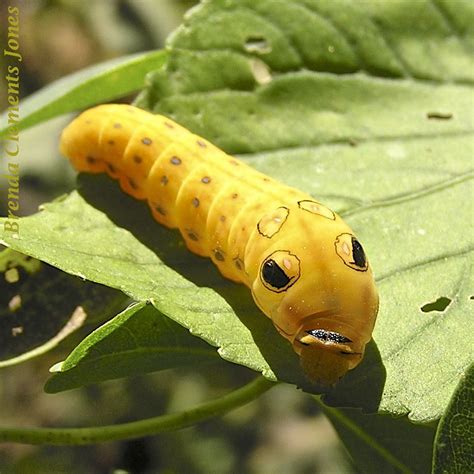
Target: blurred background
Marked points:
282	432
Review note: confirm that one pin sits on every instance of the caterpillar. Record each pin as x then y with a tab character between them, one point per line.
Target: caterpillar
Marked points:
304	266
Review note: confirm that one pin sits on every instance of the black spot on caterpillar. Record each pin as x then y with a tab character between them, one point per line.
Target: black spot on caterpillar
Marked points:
305	268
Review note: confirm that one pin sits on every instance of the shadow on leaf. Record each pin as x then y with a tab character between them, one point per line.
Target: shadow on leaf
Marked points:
105	195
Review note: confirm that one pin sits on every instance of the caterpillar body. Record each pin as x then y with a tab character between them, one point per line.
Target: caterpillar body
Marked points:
304	266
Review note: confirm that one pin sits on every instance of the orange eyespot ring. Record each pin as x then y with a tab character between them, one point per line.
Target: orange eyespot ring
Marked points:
351	252
280	270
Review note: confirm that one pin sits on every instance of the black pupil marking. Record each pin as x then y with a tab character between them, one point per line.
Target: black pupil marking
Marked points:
328	336
358	253
274	275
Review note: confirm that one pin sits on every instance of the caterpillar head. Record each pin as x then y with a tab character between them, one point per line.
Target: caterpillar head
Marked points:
314	281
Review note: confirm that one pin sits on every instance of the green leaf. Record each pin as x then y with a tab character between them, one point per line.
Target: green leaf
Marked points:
381	443
150	263
455	435
368	107
136	341
365	105
40	306
105	81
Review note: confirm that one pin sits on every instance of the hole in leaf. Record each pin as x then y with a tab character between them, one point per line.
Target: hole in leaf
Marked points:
257	44
439	305
260	71
439	115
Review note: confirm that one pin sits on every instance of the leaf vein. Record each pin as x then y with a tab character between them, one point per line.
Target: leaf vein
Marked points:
414	195
343	34
424	263
450	23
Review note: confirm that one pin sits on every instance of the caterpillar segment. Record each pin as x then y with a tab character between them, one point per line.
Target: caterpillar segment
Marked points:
304	266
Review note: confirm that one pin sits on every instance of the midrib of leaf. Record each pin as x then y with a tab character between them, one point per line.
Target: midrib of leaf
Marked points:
424	263
359	141
365	437
412	196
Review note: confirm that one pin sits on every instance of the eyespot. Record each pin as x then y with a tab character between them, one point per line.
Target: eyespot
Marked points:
271	223
351	252
316	208
280	270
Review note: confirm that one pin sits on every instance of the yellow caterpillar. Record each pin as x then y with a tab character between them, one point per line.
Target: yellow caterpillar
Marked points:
305	268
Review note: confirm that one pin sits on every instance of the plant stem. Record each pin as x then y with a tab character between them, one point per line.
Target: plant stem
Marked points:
136	429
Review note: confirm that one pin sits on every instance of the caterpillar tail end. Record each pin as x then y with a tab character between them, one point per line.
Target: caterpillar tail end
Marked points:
79	143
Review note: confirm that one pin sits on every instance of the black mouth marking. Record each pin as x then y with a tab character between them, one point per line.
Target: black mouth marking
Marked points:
330	336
